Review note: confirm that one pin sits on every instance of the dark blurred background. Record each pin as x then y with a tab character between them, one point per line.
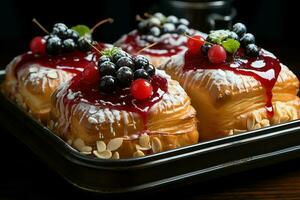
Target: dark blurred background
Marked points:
273	22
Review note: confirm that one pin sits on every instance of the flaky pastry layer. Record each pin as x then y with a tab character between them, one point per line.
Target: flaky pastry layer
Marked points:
32	86
229	103
171	124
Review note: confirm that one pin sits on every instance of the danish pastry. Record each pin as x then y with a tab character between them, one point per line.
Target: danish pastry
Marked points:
31	78
234	85
158	37
129	110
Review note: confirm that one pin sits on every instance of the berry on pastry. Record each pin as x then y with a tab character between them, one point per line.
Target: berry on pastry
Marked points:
158	37
53	59
235	85
126	112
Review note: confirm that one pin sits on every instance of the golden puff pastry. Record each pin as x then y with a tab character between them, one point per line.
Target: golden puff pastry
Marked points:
31	79
237	96
32	86
109	130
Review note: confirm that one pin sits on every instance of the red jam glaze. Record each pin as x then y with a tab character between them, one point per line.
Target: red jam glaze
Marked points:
121	100
132	40
266	75
73	62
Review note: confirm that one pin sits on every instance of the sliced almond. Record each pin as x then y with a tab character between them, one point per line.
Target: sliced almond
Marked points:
51	124
52	74
237	131
230	132
138	153
114	144
69	141
101	146
86	149
256	116
292	113
104	154
257	126
265	123
156	145
78	143
145	148
116	155
144	140
284	118
86	152
250	123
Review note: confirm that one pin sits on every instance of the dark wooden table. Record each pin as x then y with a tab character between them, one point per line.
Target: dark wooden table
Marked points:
24	176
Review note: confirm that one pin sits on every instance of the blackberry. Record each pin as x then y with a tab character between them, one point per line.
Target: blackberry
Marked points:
239	29
155	31
124	76
107	68
83	44
141	73
125	61
60	30
53	45
252	50
108	84
172	19
247	38
69	45
140	62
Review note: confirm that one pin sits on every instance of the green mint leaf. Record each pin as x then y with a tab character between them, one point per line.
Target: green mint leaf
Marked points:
82	30
218	36
110	52
231	45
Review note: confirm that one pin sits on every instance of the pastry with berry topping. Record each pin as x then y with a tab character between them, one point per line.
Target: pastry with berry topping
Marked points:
234	85
157	37
122	107
32	77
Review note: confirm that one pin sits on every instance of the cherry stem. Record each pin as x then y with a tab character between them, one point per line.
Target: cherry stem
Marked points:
108	20
93	46
147	47
39	25
139	18
147	15
196	38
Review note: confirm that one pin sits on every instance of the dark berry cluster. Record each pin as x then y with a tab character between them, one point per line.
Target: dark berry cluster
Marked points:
120	70
219	43
247	40
63	40
239	33
159	24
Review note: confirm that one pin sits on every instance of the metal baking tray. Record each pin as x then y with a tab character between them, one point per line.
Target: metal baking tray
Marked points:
174	168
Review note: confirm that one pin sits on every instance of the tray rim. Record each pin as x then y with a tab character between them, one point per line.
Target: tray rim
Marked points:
233	165
158	158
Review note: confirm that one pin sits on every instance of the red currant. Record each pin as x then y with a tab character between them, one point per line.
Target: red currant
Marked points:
195	43
90	74
38	45
141	89
217	54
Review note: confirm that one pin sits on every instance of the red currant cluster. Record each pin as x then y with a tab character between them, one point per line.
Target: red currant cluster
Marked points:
215	53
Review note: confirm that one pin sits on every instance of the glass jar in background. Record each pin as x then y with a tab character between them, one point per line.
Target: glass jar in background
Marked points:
204	15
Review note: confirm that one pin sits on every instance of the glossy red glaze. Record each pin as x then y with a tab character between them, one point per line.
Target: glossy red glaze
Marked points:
266	75
133	43
122	99
73	62
86	83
